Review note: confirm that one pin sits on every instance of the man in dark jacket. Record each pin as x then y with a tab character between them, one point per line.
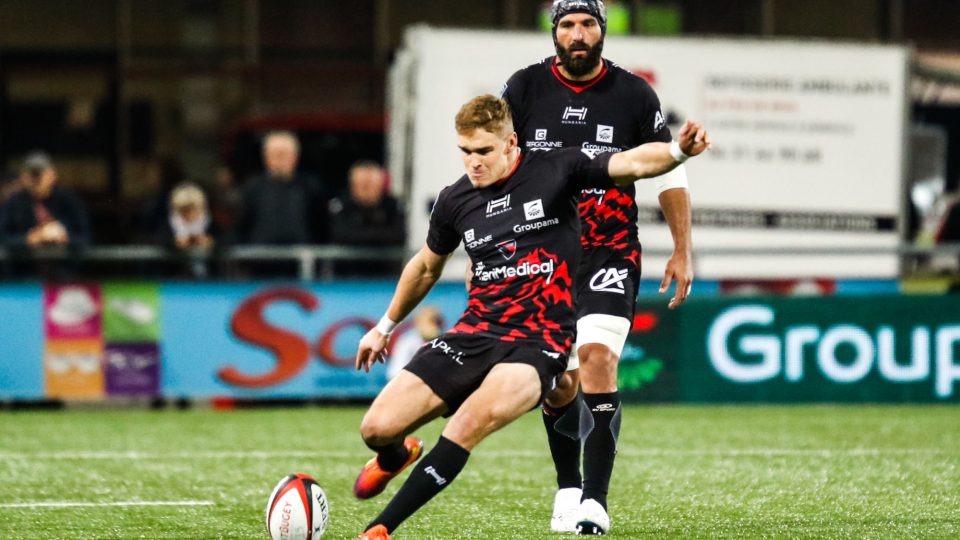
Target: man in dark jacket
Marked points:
42	215
279	206
367	216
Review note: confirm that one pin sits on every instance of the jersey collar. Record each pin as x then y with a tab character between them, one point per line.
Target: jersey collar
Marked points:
516	165
577	86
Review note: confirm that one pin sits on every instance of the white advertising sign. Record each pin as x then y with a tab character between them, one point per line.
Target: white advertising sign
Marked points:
808	142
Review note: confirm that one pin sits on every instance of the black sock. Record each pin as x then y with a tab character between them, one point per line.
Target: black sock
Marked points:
391	456
600	446
565	450
434	472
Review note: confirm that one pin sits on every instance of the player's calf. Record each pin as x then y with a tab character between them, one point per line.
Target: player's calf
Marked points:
429	477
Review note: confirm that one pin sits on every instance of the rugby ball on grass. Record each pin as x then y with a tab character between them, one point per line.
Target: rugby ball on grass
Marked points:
297	509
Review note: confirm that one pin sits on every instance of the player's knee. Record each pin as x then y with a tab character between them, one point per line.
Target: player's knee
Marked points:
376	430
598	369
594	356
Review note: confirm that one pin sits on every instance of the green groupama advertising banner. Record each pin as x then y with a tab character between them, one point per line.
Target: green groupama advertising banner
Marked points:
886	348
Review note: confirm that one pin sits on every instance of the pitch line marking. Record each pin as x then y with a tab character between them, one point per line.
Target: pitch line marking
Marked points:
496	454
71	504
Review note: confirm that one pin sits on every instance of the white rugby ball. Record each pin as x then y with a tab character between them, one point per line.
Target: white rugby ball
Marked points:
297	509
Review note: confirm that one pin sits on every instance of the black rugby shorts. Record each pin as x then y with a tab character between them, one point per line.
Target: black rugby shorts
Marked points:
454	365
606	284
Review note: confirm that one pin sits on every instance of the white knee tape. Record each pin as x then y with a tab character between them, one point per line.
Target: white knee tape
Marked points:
603	329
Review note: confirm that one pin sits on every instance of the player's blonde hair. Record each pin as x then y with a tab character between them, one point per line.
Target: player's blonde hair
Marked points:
485	112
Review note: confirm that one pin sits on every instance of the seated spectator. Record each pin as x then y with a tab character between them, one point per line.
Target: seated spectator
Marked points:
42	215
189	222
189	229
279	205
367	216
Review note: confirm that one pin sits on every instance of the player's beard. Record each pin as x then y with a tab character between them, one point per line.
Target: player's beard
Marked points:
579	66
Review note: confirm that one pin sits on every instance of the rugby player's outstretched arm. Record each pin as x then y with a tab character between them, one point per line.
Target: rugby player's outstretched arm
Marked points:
416	280
654	159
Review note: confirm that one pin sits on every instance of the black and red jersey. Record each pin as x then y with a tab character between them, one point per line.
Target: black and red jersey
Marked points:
614	111
521	235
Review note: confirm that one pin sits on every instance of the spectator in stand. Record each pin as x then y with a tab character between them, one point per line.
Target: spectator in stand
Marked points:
367	216
279	205
189	229
189	225
42	215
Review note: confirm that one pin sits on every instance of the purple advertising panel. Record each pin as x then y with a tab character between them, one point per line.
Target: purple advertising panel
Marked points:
132	369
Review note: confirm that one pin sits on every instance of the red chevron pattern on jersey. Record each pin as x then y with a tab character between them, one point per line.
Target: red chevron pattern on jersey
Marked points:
608	219
525	305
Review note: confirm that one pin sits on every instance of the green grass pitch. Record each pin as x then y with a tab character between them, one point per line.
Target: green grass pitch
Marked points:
682	472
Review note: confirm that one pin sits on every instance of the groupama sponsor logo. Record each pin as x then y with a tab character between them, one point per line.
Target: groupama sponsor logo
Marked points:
744	346
598	148
535	226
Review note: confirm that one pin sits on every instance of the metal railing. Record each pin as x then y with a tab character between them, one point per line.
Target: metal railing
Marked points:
316	262
313	262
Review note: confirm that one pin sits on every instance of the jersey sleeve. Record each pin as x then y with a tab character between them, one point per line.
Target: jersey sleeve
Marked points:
442	237
653	123
587	169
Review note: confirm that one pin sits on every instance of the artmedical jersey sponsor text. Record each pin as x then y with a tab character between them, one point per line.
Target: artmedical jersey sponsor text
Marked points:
523	269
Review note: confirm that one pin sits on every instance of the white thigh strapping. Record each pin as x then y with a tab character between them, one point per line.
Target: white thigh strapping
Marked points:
607	330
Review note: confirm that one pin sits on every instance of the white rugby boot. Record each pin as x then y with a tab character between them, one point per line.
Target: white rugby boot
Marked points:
566	510
592	518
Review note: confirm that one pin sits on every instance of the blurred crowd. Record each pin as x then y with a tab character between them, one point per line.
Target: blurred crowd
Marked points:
281	205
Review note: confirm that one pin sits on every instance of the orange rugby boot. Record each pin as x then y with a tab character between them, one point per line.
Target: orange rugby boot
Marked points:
372	479
377	532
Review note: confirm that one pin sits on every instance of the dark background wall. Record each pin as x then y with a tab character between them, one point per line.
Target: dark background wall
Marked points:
115	87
